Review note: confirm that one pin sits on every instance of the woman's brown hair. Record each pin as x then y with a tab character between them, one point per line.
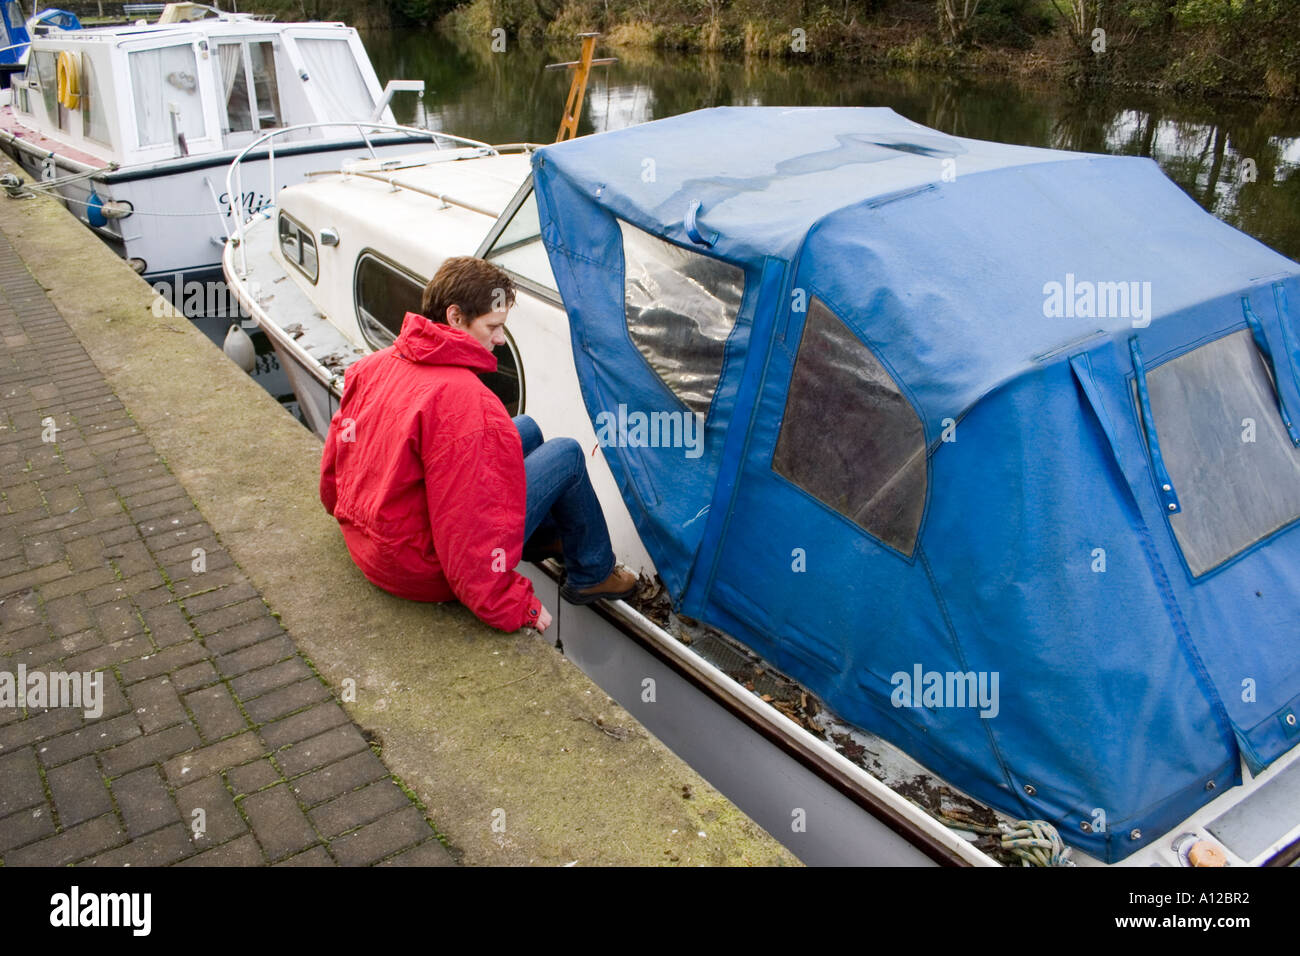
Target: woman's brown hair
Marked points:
477	286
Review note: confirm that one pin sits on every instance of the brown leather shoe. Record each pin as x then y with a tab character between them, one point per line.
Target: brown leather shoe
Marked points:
620	585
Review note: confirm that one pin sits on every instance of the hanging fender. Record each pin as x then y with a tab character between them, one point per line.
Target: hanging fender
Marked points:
69	76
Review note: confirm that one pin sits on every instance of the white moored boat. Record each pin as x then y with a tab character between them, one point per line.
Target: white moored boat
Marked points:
133	127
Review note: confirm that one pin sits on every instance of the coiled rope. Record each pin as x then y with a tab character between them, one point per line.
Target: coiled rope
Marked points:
1033	842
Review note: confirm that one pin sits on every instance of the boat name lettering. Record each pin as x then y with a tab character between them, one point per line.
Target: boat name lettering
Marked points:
253	202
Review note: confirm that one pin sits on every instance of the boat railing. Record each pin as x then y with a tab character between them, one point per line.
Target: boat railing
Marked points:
365	129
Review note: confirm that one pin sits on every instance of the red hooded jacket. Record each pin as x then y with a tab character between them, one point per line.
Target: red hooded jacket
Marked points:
424	471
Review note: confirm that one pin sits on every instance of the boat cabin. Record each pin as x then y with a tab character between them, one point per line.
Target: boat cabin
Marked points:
149	93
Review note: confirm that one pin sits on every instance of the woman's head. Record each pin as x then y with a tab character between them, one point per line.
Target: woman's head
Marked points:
470	294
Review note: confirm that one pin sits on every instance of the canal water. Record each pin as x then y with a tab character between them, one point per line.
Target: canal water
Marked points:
1240	160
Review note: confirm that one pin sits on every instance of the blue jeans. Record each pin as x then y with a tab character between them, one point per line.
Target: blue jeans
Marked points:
562	502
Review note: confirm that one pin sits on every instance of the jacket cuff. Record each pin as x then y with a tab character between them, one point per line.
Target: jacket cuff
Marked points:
533	613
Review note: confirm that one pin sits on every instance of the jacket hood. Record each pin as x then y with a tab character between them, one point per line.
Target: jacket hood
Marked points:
432	343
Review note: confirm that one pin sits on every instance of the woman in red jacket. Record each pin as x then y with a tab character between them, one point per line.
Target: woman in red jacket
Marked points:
432	484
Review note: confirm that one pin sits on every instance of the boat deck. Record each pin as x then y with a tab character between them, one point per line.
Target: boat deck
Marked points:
11	125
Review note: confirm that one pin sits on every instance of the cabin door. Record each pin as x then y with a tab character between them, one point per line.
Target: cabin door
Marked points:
250	91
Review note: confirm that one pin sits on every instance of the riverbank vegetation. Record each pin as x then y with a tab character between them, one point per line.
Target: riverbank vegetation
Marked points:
1189	47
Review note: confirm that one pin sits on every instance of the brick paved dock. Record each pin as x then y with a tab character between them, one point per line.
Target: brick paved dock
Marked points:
217	743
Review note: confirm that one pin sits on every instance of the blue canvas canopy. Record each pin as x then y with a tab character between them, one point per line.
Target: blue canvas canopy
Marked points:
998	455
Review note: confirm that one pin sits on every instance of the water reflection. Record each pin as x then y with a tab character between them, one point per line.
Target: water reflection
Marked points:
1240	161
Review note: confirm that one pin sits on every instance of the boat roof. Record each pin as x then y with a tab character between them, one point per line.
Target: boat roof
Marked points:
400	200
470	175
230	25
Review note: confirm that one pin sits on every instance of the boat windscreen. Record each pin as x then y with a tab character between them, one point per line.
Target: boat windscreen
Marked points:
518	249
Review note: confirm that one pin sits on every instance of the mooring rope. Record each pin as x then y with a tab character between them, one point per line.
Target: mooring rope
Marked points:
1033	842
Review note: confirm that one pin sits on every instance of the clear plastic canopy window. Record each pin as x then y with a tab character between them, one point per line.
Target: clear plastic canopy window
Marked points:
680	307
1235	470
849	436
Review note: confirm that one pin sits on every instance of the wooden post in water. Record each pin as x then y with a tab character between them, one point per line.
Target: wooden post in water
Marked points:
578	86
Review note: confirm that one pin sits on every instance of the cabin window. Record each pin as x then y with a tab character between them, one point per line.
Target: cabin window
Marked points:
239	108
518	248
48	78
165	87
680	307
255	106
1231	462
336	78
849	436
384	294
298	247
94	116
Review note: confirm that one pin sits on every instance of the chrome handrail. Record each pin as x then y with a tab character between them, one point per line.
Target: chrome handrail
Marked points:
235	177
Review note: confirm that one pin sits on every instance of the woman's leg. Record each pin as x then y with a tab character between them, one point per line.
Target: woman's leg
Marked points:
530	435
560	491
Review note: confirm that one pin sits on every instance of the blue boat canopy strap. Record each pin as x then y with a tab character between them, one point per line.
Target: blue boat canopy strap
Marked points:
692	227
680	308
1164	483
1228	451
1261	341
849	437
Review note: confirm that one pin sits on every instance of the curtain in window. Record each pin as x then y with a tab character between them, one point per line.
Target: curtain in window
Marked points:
336	79
161	79
234	87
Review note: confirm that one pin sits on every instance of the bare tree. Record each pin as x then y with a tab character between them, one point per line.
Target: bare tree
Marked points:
1081	17
955	18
